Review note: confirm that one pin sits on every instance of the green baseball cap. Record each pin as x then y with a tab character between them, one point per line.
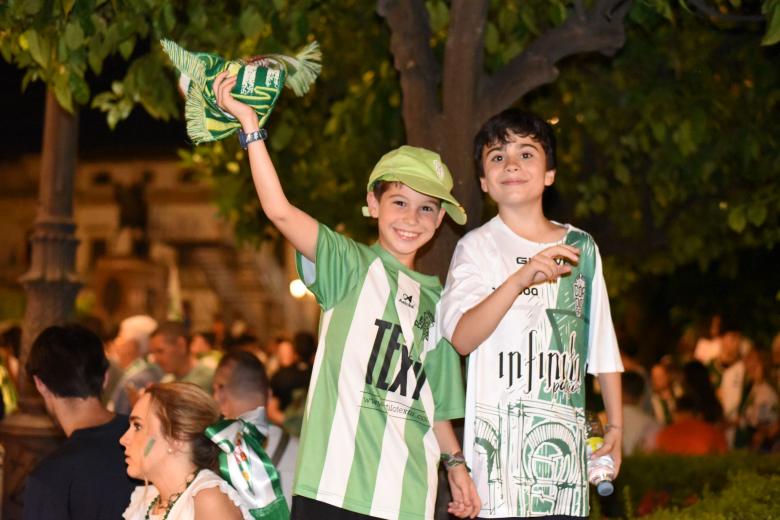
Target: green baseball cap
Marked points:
423	171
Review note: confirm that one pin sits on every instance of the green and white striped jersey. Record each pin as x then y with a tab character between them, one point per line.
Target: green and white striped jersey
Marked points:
382	375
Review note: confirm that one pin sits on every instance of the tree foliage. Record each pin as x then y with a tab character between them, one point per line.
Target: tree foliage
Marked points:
668	156
668	150
64	42
325	144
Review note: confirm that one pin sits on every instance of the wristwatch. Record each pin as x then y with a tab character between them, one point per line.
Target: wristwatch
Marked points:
257	135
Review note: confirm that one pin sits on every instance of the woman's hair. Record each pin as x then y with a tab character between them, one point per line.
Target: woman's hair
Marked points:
184	411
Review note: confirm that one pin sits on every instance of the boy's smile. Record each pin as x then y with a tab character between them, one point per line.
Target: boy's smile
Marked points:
516	171
407	220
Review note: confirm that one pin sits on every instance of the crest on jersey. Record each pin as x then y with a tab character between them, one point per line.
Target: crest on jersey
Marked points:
424	323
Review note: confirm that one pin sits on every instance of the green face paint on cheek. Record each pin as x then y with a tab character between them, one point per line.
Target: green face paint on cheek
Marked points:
149	446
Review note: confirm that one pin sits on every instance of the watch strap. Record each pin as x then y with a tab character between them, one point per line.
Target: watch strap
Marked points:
258	135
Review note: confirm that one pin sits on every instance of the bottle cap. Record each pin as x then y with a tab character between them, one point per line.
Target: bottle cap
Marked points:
605	488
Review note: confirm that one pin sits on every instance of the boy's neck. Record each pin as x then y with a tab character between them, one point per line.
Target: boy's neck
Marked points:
530	223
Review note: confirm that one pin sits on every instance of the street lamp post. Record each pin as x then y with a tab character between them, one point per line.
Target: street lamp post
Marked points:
51	285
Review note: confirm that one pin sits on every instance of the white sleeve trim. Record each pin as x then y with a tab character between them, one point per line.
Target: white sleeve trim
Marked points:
603	352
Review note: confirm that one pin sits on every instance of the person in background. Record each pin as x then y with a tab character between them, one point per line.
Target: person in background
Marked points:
759	409
662	398
696	385
708	346
640	428
730	354
85	478
686	346
241	391
775	370
202	350
128	351
114	373
628	356
10	346
166	447
727	372
270	353
689	433
248	342
291	381
169	348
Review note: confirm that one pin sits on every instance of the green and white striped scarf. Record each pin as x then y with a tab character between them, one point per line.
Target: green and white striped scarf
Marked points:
260	81
245	465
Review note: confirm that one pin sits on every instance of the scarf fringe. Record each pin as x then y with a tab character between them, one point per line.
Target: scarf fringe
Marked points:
187	62
302	69
195	116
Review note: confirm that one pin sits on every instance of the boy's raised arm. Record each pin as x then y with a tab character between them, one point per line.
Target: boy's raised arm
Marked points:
296	225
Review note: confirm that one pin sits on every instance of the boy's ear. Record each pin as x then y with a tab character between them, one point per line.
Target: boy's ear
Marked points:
483	183
549	177
373	204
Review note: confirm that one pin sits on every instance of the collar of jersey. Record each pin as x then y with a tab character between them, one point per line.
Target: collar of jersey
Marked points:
387	258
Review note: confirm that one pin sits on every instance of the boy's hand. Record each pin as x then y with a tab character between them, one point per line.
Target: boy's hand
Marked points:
613	442
465	500
246	115
544	267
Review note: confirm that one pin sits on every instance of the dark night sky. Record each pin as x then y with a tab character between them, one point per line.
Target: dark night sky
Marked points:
22	128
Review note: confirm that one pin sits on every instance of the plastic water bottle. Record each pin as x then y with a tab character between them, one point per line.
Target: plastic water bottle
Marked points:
601	470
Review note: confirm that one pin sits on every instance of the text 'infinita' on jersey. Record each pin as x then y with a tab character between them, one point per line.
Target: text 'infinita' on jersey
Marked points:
558	371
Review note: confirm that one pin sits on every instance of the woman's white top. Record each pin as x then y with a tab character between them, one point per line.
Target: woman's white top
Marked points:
184	508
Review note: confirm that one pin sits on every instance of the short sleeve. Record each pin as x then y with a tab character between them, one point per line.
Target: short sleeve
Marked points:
466	285
336	269
442	369
603	352
214	481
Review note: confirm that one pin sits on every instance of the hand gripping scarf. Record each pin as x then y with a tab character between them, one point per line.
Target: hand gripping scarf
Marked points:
260	81
244	463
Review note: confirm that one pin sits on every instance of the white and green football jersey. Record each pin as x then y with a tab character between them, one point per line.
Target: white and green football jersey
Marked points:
382	376
525	428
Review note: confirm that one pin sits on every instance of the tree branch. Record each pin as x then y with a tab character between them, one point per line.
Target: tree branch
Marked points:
414	60
704	9
464	56
598	30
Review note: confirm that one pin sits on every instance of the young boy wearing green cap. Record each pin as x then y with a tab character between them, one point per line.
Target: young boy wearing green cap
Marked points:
526	300
384	384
